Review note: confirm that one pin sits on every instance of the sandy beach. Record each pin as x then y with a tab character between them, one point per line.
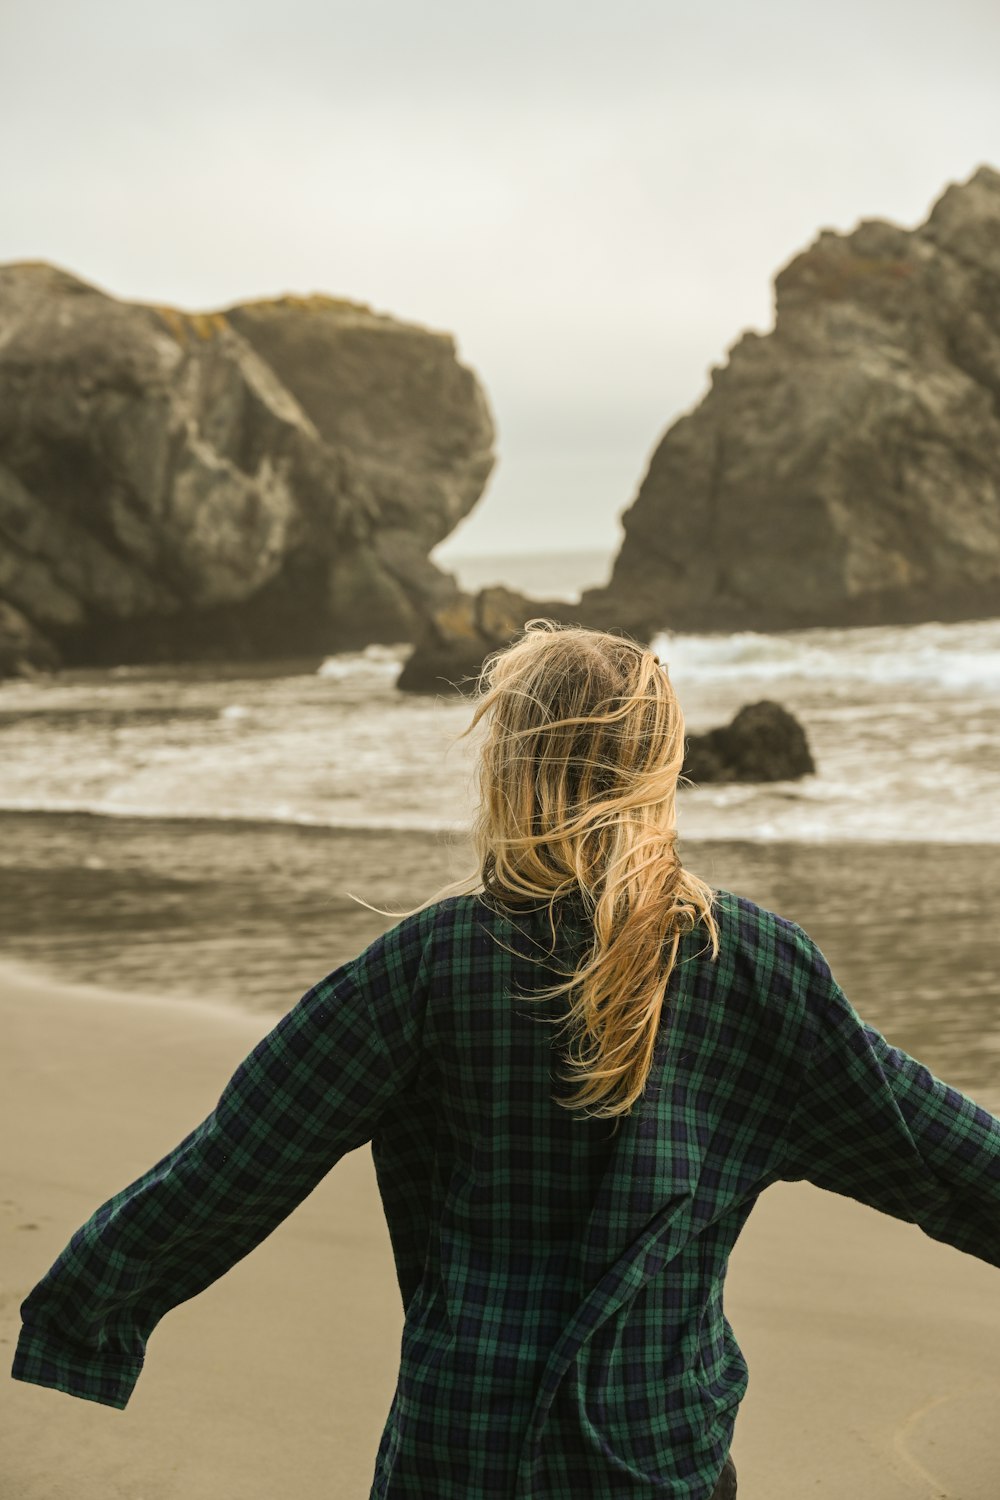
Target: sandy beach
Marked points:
874	1351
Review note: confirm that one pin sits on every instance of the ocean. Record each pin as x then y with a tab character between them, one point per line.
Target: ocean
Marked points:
201	831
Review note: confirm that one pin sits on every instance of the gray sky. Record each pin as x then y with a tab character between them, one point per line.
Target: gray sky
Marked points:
594	200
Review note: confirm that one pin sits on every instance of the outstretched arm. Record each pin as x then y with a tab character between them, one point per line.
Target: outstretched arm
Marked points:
312	1090
874	1124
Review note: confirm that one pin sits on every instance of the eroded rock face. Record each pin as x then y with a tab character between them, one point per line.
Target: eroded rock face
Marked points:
845	468
267	480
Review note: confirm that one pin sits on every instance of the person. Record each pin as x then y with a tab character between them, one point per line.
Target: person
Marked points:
561	1257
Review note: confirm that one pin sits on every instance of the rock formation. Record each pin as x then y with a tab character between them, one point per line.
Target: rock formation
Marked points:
843	469
458	635
264	481
764	742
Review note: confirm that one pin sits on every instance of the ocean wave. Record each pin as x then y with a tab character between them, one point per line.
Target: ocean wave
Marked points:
954	657
374	661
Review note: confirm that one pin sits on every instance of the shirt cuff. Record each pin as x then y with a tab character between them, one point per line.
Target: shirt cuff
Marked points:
106	1378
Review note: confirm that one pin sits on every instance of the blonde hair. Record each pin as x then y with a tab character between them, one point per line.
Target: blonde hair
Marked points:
577	780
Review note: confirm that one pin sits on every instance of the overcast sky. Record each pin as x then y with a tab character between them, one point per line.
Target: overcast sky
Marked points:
594	200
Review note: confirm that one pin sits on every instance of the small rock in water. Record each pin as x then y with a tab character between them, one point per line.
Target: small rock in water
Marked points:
764	742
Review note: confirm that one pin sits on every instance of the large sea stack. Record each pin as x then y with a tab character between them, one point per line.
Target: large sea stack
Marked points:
843	469
264	481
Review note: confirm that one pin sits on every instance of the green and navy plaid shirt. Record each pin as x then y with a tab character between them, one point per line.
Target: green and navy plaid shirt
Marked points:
562	1278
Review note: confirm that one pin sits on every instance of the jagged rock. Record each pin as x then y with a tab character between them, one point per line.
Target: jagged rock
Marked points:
460	634
764	742
260	481
843	469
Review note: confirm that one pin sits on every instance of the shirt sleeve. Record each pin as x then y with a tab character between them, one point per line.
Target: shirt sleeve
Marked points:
874	1124
312	1090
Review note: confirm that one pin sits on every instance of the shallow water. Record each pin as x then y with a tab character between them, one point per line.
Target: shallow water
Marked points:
252	914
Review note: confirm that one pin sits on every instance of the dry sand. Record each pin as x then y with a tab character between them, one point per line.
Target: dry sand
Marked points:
874	1352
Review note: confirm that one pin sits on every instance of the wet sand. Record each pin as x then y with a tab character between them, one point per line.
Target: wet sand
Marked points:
874	1352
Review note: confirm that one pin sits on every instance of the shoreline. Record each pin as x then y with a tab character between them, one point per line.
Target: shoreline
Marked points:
871	1348
26	977
457	833
246	928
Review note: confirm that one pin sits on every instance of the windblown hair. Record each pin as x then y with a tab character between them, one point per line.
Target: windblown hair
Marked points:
577	776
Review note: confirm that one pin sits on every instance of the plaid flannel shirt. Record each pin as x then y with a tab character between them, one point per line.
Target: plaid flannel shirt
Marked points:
562	1278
